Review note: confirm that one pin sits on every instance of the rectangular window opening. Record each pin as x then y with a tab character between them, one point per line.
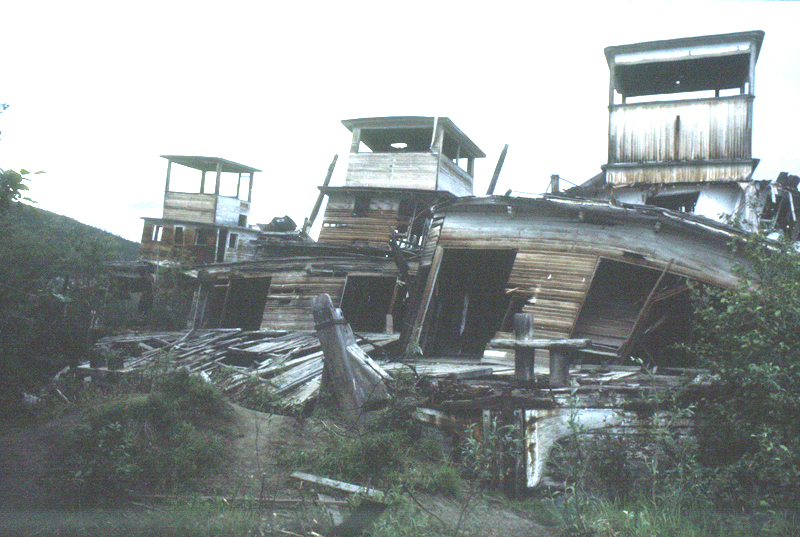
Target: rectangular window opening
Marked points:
361	206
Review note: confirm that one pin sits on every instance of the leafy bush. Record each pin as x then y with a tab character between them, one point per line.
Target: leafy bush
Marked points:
748	337
164	439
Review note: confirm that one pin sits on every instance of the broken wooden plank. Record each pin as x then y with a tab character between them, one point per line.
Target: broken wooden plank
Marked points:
542	343
371	493
351	377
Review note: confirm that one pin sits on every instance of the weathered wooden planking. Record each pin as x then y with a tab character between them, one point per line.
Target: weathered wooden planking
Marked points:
398	170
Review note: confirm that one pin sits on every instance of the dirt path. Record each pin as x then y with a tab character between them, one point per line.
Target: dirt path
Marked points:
25	454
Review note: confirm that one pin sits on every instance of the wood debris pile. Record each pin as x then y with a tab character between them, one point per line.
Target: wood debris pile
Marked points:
289	364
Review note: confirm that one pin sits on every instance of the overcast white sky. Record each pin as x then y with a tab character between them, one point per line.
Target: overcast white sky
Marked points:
98	89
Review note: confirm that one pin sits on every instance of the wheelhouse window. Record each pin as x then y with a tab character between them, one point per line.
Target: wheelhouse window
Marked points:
361	206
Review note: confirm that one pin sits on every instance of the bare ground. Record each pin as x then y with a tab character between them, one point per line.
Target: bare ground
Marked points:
252	470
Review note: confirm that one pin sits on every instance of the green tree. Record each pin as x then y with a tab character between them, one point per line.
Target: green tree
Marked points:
749	337
12	187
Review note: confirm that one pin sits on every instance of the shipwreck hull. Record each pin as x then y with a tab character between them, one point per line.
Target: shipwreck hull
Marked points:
584	269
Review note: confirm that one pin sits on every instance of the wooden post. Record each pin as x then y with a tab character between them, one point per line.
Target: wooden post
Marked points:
524	357
356	382
330	329
169	170
554	186
496	175
310	220
559	367
219	177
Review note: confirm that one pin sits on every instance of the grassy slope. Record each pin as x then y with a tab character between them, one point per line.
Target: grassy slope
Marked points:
61	230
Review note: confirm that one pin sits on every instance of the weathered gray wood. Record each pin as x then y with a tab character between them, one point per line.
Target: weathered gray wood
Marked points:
524	357
313	216
496	175
559	368
624	351
542	343
375	495
350	377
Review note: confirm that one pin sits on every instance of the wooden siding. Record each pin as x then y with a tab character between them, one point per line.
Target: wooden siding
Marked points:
245	249
157	251
674	132
422	171
296	280
229	209
189	207
452	178
187	250
431	241
341	226
701	172
557	251
288	304
392	170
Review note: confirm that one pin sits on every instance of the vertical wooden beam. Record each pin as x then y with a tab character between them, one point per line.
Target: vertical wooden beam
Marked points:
356	142
438	142
238	185
250	188
471	167
315	210
433	133
624	350
216	241
219	178
169	170
611	119
554	186
203	182
216	203
611	85
524	357
427	296
752	91
559	367
497	168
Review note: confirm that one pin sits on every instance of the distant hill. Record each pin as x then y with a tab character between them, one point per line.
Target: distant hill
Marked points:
37	245
63	233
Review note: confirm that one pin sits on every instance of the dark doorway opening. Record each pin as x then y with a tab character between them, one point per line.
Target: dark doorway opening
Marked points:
221	243
468	301
366	300
676	202
245	303
617	309
239	304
